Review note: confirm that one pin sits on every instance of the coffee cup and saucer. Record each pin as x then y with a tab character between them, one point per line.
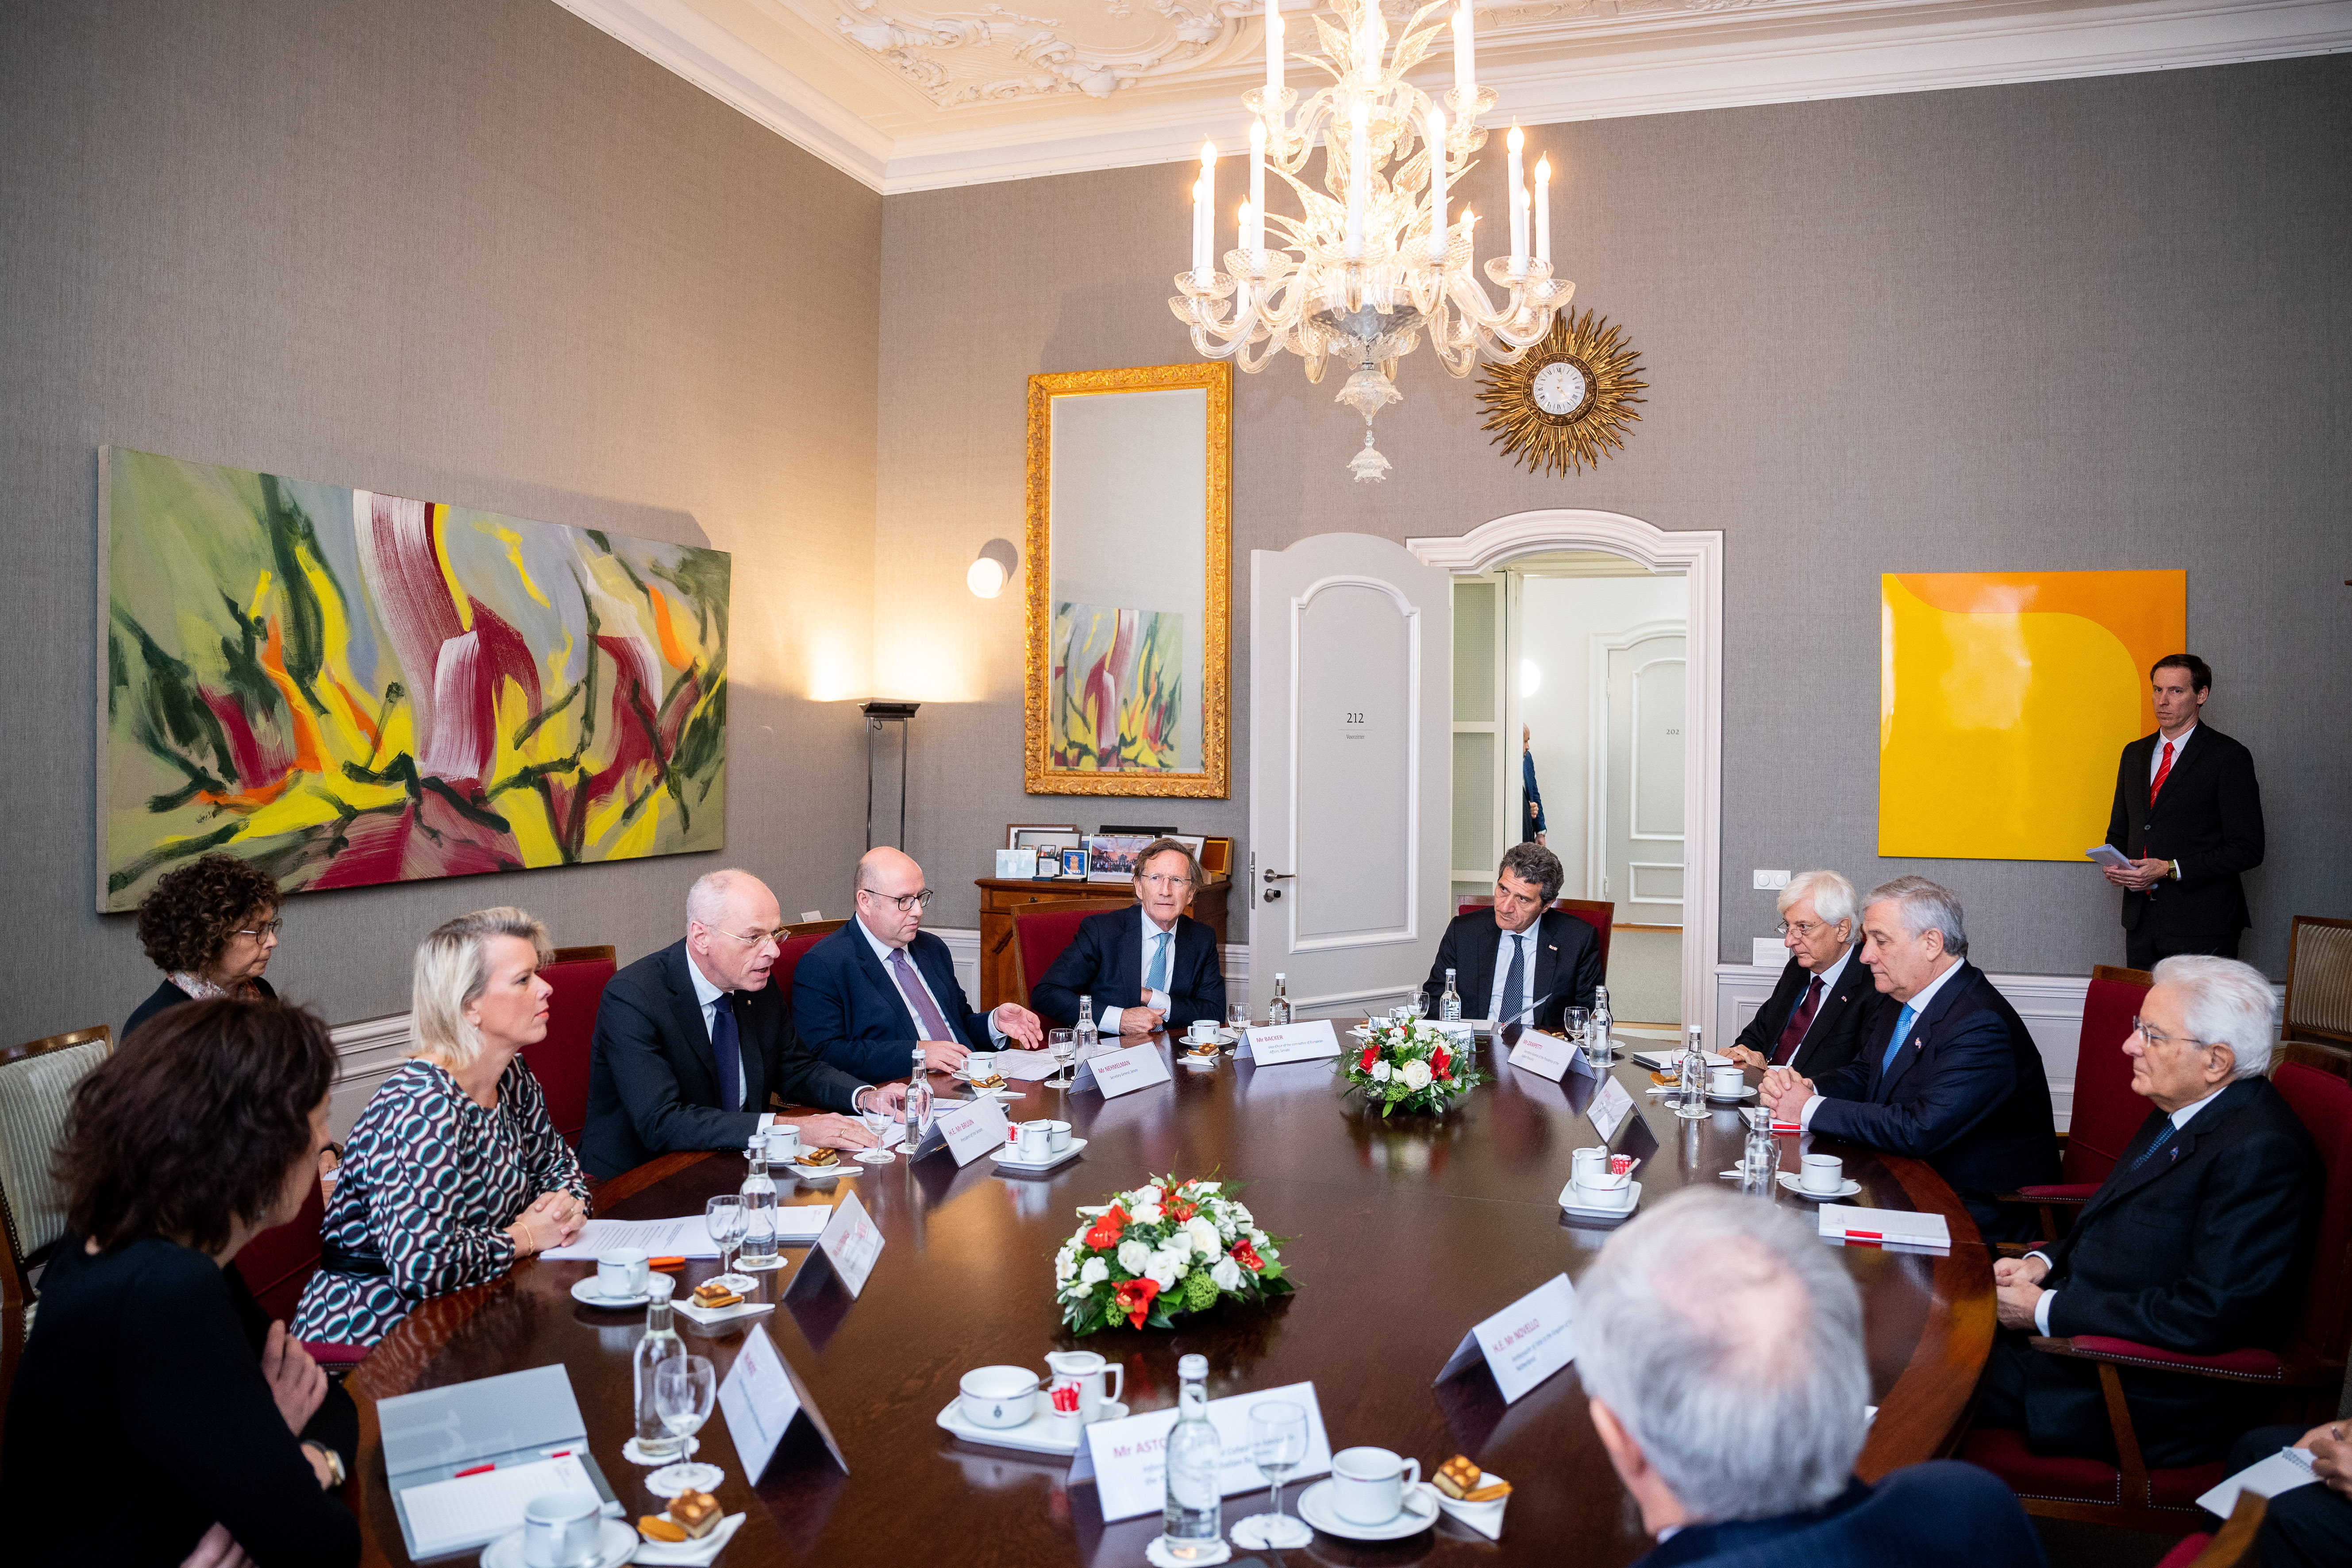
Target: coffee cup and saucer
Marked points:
1601	1185
1728	1085
1371	1494
620	1280
1038	1145
1823	1178
564	1530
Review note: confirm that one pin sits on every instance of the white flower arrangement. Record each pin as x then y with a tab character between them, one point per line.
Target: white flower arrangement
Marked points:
1165	1248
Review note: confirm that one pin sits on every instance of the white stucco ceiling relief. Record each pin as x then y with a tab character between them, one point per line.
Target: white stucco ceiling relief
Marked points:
916	94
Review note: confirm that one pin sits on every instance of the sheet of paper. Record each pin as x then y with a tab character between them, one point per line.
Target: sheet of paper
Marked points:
1268	1046
2108	855
1845	1222
1123	1458
472	1511
1025	1067
852	1241
686	1238
1546	1054
803	1223
972	1130
1115	1073
759	1401
1611	1105
2281	1472
1664	1059
1525	1342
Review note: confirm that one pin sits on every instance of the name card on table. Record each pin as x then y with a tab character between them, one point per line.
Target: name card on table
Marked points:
1115	1073
1551	1055
1885	1227
851	1241
1124	1459
1525	1342
967	1130
1610	1108
760	1397
1308	1042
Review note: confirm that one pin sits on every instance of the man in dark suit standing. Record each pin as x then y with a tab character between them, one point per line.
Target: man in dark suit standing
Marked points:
1148	966
1827	1000
1953	1078
692	1040
869	994
1521	955
2190	815
2198	1241
1720	1345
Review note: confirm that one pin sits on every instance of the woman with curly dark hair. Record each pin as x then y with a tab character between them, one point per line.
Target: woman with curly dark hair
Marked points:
210	926
158	1416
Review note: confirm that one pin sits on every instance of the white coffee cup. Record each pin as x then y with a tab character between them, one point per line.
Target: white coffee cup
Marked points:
1822	1173
998	1396
560	1530
784	1144
621	1273
1368	1484
1725	1081
1057	1136
980	1064
1202	1030
1078	1392
1033	1140
1587	1165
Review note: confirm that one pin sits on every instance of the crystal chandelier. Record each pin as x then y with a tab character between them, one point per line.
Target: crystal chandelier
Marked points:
1370	263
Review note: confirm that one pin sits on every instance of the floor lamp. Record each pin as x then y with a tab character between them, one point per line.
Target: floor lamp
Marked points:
878	713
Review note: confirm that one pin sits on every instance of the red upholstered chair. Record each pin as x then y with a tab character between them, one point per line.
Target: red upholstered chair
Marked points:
278	1263
560	1061
1040	930
798	940
2105	1111
1600	915
2232	1545
2133	1497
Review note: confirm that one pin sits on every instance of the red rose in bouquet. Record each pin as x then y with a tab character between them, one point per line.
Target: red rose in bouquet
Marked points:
1107	1229
1134	1296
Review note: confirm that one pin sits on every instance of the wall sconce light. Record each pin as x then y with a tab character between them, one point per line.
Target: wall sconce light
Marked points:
993	568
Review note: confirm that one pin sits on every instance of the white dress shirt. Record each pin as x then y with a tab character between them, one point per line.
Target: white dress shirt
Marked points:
2155	753
882	951
712	999
1503	941
1146	939
1918	1005
2041	1308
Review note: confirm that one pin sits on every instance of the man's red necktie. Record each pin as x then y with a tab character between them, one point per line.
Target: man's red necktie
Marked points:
1798	1022
2163	771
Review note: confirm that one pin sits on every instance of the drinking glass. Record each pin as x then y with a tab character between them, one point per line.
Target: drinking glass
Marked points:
1063	1045
1237	1017
879	1120
1277	1440
684	1388
723	1217
1573	1022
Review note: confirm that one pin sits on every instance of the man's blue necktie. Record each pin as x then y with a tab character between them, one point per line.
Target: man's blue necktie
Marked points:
1158	979
2161	1140
724	1046
1902	1033
1514	984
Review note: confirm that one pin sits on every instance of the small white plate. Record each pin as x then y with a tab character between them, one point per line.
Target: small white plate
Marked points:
616	1544
1791	1182
874	1156
819	1173
1568	1201
585	1291
1485	1518
1420	1512
1043	1433
1746	1093
1013	1161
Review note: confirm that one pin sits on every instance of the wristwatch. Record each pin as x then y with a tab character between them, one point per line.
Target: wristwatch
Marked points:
2176	870
335	1475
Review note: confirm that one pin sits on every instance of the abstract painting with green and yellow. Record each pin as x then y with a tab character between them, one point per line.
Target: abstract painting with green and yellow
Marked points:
1115	690
349	687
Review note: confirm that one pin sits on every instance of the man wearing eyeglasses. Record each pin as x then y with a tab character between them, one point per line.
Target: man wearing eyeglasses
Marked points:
869	995
1827	1000
1521	961
692	1040
1153	966
2197	1243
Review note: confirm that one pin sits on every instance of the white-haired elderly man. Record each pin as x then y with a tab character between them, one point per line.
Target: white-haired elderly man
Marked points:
1953	1077
1720	1346
1827	1001
2198	1242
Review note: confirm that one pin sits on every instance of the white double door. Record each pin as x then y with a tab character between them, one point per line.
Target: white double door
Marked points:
1351	674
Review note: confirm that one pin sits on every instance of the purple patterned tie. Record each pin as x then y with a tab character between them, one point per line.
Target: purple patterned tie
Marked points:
910	987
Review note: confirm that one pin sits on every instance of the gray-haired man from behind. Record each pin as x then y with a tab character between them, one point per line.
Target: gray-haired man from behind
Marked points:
1719	1341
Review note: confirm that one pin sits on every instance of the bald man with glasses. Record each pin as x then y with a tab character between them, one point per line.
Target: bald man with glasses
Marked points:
868	995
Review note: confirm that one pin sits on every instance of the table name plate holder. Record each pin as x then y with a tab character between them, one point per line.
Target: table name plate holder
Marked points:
1524	1343
966	1130
1113	1073
1123	1458
761	1398
1268	1046
483	1427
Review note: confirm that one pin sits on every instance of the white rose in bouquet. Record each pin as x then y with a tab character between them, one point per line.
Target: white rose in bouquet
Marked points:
1094	1272
1179	1244
1415	1074
1380	1070
1203	1235
1065	1263
1164	1268
1134	1255
1226	1274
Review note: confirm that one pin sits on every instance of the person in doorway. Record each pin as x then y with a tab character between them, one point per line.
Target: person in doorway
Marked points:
1534	830
2190	815
1522	961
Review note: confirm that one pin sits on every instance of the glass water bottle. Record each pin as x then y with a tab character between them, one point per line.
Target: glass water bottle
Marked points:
659	1344
1278	1011
758	1250
1596	1030
1449	1001
919	1102
1192	1527
1086	1036
1690	1088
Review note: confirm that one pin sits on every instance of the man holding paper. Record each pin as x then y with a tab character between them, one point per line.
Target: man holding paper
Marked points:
2310	1524
2187	824
2196	1243
1522	960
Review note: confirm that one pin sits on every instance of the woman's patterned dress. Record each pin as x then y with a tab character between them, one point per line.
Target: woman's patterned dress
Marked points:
429	1183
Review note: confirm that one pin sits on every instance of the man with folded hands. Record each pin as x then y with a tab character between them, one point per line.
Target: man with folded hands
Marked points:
1153	966
1953	1077
1720	1347
2196	1243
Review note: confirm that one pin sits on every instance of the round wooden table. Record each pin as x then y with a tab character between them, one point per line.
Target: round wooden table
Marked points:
1402	1235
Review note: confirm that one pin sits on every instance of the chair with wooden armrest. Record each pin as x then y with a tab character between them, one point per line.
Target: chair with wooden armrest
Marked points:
2105	1111
1039	931
2233	1544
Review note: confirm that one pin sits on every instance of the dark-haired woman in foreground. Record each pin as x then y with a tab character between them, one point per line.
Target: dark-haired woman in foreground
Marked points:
158	1416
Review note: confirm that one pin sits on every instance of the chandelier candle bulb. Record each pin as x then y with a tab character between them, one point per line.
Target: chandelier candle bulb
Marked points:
1437	187
1200	241
1359	159
1543	211
1517	185
1465	72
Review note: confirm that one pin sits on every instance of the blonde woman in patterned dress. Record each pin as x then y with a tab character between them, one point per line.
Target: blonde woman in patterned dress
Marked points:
454	1171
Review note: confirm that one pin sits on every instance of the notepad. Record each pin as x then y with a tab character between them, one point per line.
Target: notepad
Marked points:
1889	1227
452	1515
2282	1472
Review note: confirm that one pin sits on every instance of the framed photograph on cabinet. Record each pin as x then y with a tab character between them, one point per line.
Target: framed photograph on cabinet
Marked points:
1129	607
1023	835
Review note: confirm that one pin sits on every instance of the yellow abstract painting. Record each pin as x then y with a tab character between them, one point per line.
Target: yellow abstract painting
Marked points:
2005	699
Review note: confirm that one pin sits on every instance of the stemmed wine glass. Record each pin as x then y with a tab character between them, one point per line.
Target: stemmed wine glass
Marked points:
1277	1440
1063	1045
1237	1018
1573	1022
684	1388
881	1123
723	1217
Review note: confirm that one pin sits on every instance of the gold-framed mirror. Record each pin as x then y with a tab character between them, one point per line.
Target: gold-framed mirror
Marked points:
1131	582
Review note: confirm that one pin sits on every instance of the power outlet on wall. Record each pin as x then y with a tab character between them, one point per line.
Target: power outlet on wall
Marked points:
1771	881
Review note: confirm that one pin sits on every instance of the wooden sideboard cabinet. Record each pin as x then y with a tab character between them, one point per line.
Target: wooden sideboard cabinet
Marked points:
1000	896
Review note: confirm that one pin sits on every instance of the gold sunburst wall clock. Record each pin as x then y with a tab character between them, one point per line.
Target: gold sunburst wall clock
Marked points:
1568	402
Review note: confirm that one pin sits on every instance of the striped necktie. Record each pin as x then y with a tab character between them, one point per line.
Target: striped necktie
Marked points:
2160	1140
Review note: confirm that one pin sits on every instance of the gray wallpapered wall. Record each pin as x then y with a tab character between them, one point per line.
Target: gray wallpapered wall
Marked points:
2068	325
471	250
